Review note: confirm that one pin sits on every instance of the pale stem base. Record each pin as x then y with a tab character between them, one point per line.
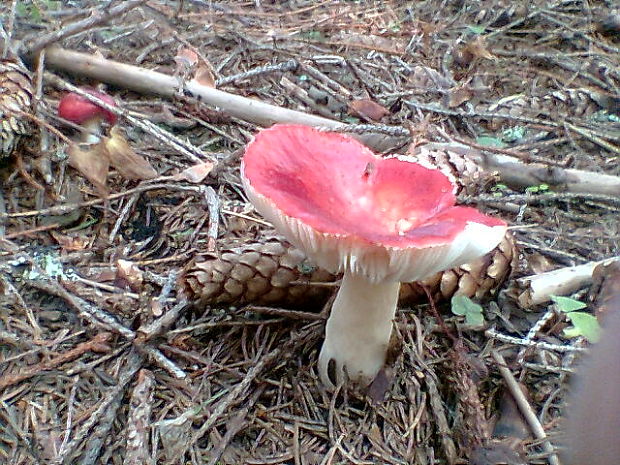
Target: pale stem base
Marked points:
357	333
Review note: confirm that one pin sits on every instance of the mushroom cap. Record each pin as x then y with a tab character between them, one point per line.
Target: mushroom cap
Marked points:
350	209
78	110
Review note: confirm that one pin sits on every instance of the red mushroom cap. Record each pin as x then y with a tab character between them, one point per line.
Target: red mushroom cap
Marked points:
347	208
77	109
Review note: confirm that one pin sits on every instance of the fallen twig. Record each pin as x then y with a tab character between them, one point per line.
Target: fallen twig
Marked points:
97	344
538	288
525	407
148	81
518	174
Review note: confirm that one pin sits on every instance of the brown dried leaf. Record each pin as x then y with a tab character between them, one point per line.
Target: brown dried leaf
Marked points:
92	162
122	157
128	274
367	108
204	76
70	243
459	95
511	423
195	173
189	63
380	385
185	59
478	49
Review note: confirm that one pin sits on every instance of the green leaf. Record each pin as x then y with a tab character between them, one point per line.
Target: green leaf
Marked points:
476	29
514	134
538	188
585	325
463	306
474	319
490	141
566	304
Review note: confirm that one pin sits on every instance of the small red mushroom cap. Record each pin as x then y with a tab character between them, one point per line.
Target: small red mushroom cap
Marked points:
79	110
347	208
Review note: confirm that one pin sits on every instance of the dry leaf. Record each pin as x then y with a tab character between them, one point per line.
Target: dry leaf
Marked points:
70	243
122	157
540	264
195	173
511	422
92	162
367	108
128	274
478	49
186	59
191	66
165	116
204	76
459	95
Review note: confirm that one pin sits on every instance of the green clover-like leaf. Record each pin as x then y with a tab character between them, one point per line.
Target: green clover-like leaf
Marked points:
474	319
584	324
490	141
566	304
472	311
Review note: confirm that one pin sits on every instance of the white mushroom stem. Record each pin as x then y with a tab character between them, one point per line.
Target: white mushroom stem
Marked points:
91	131
357	334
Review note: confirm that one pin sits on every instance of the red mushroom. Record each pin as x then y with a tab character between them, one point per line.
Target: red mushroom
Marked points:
381	221
90	116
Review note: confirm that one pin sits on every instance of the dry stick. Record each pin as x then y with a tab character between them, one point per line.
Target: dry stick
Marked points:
590	134
139	420
106	411
538	289
151	82
97	17
97	344
491	333
283	67
525	407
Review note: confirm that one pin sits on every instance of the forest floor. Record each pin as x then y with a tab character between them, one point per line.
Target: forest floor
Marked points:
103	360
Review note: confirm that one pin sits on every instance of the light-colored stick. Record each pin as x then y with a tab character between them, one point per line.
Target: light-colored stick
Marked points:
152	82
537	289
516	173
524	407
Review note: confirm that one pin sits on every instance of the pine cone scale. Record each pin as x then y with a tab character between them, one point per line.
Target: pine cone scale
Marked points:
16	94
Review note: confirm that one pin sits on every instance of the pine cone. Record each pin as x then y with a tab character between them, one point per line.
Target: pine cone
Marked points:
268	272
273	272
468	176
16	93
